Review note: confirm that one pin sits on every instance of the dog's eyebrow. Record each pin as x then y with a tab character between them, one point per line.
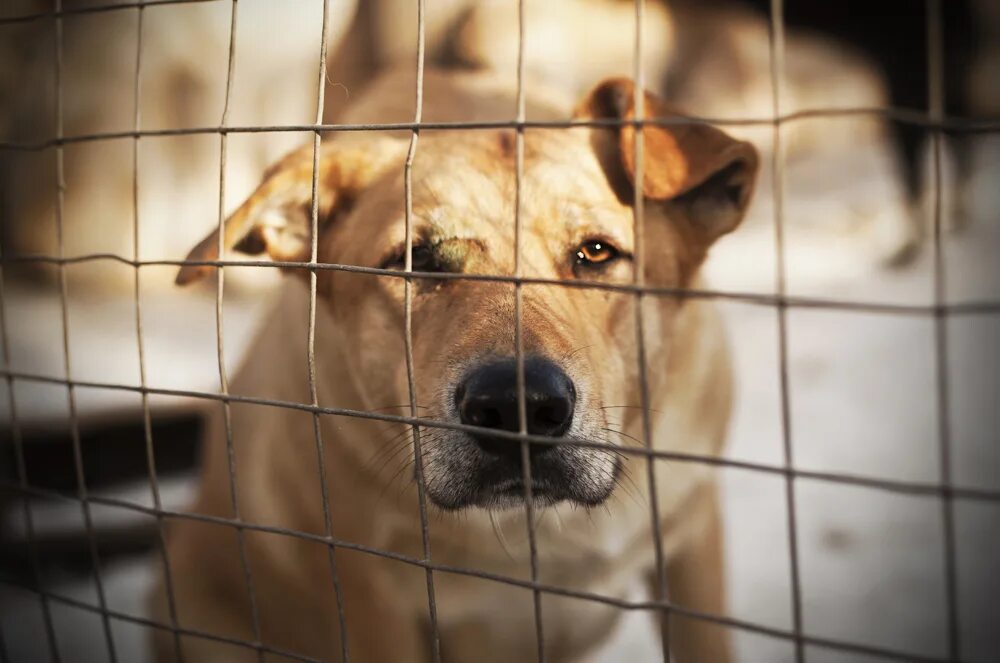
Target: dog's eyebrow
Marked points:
425	184
596	218
473	241
589	207
442	222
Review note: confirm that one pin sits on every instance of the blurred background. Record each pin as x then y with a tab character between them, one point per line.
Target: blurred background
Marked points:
858	201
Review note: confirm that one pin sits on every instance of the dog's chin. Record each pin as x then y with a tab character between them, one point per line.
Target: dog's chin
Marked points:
459	475
509	493
512	494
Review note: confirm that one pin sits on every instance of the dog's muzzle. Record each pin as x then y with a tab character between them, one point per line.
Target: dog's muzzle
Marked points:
487	470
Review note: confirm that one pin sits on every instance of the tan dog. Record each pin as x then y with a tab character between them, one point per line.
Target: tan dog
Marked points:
594	532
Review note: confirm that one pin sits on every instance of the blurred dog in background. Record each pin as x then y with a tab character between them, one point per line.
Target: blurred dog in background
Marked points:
853	195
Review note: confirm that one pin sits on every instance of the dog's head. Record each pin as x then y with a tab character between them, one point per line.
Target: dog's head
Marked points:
577	219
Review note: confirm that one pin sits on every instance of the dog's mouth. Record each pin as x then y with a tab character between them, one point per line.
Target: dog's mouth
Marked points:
514	489
498	483
505	488
518	487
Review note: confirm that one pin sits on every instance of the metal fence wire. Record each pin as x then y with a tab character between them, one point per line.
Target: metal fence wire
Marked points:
934	122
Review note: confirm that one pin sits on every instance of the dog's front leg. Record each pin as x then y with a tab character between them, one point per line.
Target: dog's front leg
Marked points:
696	580
381	627
380	638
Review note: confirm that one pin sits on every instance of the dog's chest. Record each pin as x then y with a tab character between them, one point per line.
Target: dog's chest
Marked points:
486	620
483	618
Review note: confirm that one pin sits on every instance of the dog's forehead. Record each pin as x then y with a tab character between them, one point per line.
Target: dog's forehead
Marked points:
468	182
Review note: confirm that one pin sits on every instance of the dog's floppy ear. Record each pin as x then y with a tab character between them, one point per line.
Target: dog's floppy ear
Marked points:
277	217
692	164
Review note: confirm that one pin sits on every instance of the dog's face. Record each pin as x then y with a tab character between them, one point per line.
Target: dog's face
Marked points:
577	224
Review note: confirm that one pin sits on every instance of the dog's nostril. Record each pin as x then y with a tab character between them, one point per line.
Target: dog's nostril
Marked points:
548	418
488	398
544	416
485	417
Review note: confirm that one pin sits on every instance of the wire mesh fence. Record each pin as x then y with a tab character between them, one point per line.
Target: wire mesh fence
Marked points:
934	121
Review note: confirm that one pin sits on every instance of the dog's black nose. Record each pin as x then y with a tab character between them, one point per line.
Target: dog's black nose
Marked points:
488	398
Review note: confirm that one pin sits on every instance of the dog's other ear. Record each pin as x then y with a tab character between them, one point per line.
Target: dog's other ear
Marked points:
277	217
691	164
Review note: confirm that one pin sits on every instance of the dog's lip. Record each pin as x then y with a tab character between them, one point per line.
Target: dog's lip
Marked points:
511	486
548	480
510	493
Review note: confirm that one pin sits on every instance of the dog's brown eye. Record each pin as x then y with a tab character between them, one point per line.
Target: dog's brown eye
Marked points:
595	252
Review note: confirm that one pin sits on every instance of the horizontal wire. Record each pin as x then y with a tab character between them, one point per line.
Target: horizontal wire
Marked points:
901	115
970	307
95	9
892	485
152	623
740	624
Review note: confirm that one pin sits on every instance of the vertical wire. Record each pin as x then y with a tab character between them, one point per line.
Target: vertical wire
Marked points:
418	458
935	92
81	481
22	475
777	46
639	278
522	414
345	655
220	349
154	483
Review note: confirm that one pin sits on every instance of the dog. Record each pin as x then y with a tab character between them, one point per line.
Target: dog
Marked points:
593	531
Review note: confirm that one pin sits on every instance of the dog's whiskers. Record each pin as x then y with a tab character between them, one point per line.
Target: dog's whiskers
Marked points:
628	407
626	435
403	430
397	448
397	407
390	447
579	349
400	451
560	525
428	437
406	463
498	533
630	488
